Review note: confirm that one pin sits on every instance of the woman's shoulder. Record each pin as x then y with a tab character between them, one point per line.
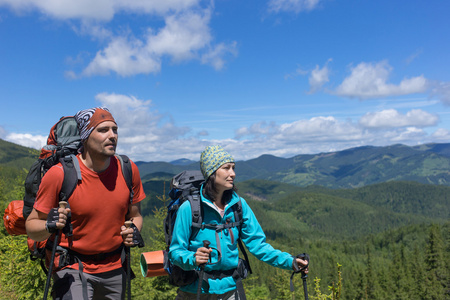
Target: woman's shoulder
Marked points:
185	206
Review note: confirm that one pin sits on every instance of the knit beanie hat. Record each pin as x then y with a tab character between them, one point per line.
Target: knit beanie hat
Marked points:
88	119
212	158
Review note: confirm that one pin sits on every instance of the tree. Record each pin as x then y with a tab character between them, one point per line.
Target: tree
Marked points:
371	279
436	279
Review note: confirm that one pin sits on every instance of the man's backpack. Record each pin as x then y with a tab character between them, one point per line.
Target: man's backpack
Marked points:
62	145
185	186
62	142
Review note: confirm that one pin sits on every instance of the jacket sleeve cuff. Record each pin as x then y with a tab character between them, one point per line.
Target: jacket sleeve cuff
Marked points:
192	261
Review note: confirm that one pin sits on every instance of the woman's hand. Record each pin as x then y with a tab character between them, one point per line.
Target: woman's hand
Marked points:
202	255
301	264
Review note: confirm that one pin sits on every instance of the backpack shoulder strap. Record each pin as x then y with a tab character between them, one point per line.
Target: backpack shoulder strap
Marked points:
196	210
127	172
72	174
238	217
238	214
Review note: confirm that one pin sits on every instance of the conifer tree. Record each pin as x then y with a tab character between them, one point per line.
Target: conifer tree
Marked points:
447	258
371	280
399	273
418	273
435	266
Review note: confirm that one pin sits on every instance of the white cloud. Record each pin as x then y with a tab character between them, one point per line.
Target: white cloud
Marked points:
441	135
410	133
259	129
102	10
441	90
325	134
318	134
319	129
296	6
145	134
369	80
125	56
318	77
27	140
390	118
215	56
185	34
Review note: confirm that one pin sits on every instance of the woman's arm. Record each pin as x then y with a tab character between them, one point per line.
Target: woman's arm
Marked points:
179	252
254	238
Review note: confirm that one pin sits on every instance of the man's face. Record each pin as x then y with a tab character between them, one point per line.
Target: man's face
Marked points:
103	139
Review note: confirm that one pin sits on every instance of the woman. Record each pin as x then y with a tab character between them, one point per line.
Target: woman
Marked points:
218	198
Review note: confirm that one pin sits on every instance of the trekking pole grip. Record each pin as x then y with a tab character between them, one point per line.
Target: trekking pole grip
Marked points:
63	204
206	244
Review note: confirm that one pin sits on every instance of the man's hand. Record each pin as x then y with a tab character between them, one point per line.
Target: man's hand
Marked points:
56	219
127	235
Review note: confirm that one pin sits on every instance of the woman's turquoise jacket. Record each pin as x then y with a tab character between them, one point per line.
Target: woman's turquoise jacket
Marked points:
182	249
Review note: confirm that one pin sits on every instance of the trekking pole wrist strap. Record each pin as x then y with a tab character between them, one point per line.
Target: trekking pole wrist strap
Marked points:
137	238
52	218
50	229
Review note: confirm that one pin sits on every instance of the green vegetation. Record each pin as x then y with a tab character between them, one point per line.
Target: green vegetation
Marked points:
389	240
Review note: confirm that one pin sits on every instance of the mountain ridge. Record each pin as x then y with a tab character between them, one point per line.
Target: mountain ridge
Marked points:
348	168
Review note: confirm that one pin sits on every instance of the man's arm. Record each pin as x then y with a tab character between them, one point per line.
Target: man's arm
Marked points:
135	215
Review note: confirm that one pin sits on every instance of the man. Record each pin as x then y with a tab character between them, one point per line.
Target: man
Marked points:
99	206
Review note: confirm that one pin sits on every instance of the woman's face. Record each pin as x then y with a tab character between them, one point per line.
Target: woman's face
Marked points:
225	177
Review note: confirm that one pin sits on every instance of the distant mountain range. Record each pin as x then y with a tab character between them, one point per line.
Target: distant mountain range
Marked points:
350	193
355	167
350	168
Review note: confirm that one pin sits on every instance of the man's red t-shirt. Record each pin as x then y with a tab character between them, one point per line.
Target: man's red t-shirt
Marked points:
98	207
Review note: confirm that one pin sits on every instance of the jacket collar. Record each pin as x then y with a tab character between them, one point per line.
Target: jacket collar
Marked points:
234	199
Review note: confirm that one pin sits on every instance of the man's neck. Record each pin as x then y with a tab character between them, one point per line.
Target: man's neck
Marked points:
96	164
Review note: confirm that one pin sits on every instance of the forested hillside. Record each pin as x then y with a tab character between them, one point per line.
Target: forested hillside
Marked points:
389	240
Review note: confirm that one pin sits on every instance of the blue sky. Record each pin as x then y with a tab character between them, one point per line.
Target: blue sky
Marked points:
281	77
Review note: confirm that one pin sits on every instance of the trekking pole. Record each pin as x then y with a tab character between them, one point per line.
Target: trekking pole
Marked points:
305	256
128	258
62	204
202	270
297	269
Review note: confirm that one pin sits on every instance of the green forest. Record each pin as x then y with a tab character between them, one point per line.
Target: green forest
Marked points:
388	240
